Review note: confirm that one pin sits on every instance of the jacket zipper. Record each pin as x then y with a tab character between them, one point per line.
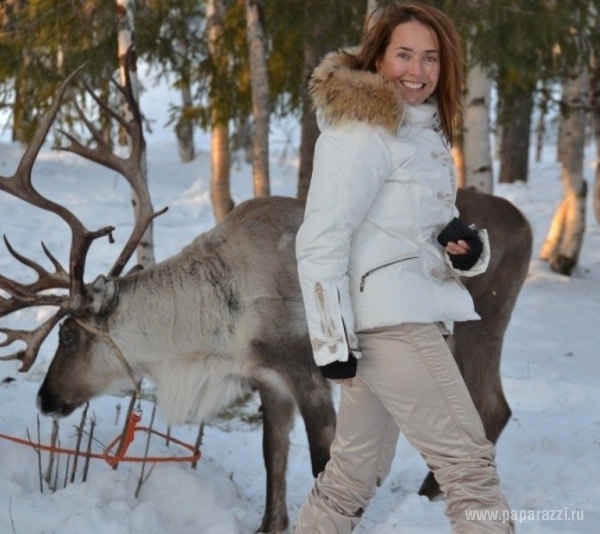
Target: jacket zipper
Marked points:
363	278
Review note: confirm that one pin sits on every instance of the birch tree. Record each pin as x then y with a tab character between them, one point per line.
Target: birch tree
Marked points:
565	237
220	157
261	108
184	129
128	67
478	171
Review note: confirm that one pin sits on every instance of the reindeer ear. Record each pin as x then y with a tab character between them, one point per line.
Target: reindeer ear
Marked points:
103	294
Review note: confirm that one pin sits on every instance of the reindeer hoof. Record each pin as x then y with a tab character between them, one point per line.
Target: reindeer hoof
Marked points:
430	488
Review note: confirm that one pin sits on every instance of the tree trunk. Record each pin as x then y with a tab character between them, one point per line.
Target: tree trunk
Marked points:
128	62
563	243
317	43
597	183
514	145
22	116
458	156
184	130
476	132
219	172
595	86
220	156
540	128
309	131
104	120
261	107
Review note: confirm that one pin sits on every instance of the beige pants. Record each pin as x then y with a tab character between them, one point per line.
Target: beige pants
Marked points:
406	379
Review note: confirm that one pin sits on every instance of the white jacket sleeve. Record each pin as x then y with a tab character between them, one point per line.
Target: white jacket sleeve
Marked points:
350	164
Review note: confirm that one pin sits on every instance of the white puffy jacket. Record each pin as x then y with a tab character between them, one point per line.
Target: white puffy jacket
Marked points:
382	189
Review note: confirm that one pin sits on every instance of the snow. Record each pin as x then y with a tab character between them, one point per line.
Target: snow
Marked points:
548	455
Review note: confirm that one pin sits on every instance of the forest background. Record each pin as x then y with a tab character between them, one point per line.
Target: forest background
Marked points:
533	72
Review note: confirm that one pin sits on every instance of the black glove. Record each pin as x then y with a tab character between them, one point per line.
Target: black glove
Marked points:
340	370
457	230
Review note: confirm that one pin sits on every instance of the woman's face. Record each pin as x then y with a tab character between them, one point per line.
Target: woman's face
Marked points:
412	61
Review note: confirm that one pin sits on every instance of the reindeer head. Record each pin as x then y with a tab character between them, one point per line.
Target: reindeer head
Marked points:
74	376
79	371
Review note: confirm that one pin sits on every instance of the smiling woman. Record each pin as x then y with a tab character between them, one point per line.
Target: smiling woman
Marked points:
383	188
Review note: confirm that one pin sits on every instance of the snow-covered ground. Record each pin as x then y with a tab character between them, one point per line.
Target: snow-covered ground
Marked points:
548	456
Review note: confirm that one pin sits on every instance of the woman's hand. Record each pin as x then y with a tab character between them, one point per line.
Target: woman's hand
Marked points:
458	247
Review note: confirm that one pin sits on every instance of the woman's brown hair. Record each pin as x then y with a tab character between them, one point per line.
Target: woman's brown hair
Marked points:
376	38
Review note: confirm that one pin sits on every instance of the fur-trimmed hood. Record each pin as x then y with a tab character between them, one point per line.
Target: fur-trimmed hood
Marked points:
341	92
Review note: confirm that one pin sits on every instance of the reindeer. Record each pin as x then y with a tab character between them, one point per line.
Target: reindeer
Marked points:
225	315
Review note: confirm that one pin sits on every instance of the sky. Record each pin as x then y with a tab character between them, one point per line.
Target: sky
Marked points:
548	455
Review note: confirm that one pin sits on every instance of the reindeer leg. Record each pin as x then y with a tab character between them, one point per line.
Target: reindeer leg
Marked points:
316	407
278	418
484	382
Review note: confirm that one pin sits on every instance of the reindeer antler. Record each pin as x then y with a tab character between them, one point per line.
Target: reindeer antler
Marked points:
26	295
23	296
130	167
